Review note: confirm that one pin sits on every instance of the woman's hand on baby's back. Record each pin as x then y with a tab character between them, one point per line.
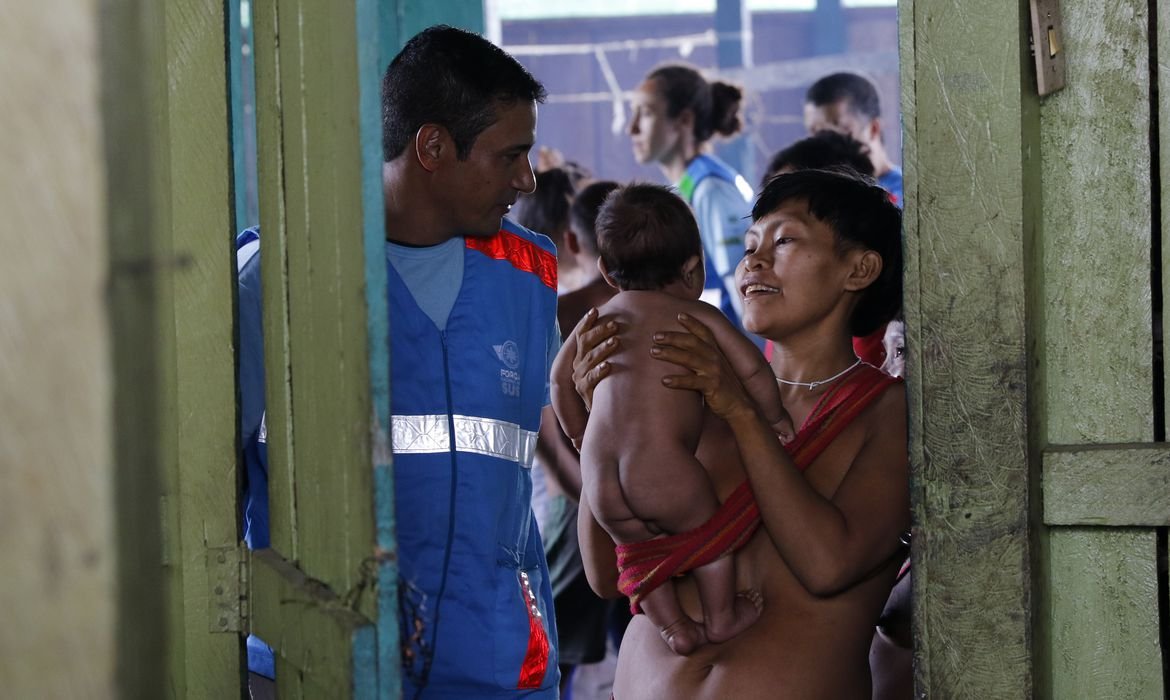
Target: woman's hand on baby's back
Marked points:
710	373
596	341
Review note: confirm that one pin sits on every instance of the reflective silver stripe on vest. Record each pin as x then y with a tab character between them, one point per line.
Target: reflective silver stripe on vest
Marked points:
484	436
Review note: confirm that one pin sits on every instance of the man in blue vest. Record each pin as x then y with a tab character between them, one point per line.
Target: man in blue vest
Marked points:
472	301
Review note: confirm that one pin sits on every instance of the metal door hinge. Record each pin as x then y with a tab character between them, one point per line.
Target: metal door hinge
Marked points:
227	588
1047	45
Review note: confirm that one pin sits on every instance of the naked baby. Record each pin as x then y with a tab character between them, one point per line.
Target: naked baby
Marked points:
640	476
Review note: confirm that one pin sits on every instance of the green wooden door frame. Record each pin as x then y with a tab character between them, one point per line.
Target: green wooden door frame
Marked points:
970	122
191	147
317	593
1029	235
127	54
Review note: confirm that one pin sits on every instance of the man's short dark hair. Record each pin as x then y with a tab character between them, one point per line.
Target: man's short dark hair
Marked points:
547	209
857	90
860	215
586	207
824	150
645	234
452	78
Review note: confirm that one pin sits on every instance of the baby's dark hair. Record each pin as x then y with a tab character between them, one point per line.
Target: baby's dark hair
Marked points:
645	234
860	215
583	213
824	150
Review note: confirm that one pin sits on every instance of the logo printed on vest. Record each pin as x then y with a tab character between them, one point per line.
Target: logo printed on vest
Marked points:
509	354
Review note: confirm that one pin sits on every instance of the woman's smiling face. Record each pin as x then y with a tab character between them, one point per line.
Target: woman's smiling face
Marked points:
792	273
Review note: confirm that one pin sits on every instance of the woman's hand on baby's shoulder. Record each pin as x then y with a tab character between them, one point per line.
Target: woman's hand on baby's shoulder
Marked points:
710	373
596	341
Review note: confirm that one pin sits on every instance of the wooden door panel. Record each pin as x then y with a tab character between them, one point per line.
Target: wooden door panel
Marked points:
1103	608
191	138
1092	262
1097	614
313	592
965	225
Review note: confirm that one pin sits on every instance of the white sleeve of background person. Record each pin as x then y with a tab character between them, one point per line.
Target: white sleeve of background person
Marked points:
723	213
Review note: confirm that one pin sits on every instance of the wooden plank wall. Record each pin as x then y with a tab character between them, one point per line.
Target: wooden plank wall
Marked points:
1097	607
965	115
1030	227
191	137
313	270
317	359
57	465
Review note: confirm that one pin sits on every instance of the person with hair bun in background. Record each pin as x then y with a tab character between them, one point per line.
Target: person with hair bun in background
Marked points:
676	113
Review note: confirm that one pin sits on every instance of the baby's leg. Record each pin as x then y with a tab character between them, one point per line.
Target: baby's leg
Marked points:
668	489
725	613
665	487
680	632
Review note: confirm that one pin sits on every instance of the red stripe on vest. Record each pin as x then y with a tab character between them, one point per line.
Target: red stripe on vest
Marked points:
536	658
522	254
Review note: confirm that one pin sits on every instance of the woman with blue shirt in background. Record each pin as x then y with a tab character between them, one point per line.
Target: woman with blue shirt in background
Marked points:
676	112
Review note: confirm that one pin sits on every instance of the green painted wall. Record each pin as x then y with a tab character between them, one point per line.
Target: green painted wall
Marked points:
1096	598
1029	235
196	347
966	112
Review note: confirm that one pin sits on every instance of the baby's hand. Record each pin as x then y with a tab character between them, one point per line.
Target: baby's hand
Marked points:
783	427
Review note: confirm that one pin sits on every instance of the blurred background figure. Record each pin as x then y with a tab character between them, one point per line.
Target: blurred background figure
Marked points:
582	617
849	103
676	112
823	150
895	345
547	211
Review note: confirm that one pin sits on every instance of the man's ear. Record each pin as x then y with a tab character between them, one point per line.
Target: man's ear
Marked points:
605	274
431	144
867	266
874	130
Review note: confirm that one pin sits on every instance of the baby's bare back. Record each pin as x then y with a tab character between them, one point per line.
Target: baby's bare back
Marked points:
637	456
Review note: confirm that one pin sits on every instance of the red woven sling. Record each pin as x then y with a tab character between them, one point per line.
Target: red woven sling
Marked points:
644	566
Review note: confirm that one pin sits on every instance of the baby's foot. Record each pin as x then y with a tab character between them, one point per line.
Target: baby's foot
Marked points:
748	606
683	636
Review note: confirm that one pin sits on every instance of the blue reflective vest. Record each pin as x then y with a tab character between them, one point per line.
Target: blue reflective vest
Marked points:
715	243
475	601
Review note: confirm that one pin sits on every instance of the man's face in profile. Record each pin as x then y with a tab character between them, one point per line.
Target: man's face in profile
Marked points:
481	189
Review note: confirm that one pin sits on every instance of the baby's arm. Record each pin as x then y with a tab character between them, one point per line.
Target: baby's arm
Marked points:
568	404
753	371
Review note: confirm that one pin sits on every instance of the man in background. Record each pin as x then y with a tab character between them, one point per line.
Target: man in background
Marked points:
848	103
